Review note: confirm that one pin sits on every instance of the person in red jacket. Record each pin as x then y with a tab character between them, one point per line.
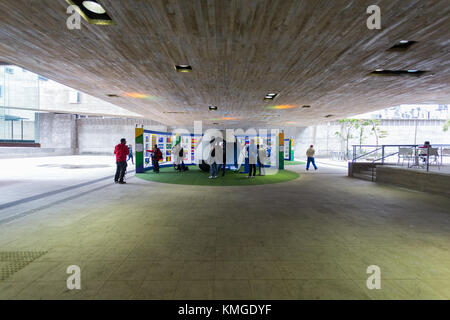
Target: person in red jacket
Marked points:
156	157
121	151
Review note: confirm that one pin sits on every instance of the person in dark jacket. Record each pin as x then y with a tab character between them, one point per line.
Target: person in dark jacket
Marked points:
121	151
156	157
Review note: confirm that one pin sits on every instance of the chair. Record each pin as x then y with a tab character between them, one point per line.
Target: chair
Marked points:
446	152
405	154
433	156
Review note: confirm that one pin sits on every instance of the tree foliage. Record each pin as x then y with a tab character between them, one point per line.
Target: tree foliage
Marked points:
447	125
361	129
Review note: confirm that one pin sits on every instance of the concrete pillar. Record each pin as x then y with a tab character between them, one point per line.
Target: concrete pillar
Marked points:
58	132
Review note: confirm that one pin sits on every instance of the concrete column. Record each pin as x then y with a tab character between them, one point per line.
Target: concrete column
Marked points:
58	132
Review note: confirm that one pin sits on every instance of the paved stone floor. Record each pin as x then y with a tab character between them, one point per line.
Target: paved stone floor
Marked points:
312	238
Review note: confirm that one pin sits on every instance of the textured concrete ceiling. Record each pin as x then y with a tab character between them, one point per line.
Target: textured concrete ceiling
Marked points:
311	52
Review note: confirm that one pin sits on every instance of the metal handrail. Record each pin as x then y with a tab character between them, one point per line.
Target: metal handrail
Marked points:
398	145
366	154
384	156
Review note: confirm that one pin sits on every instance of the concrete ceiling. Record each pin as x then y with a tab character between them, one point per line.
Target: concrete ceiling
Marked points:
311	52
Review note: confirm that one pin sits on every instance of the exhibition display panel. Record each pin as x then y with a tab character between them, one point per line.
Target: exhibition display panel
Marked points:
165	142
146	140
289	149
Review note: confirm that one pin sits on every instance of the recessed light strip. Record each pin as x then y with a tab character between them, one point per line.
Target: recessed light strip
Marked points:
402	45
411	72
184	68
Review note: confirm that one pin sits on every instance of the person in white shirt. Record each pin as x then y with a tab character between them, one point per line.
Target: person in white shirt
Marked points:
178	154
175	156
310	154
262	158
241	156
252	158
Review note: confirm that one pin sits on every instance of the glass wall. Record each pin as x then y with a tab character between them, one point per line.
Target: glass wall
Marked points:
19	105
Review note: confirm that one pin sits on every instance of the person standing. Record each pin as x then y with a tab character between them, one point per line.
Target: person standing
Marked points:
221	146
121	151
252	158
224	157
212	160
156	157
310	154
130	155
181	154
262	158
241	155
176	156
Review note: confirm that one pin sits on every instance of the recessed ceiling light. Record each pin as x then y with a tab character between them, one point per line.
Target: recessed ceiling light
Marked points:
329	116
402	45
111	95
381	72
94	7
306	107
91	11
270	96
183	68
213	108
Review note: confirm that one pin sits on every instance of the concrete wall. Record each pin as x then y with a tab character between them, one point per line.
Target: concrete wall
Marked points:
413	179
58	136
64	134
99	136
357	167
58	131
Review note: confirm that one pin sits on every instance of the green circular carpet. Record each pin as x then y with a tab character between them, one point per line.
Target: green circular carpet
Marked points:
293	163
196	177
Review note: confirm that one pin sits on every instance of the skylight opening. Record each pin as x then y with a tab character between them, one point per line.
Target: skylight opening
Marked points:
92	11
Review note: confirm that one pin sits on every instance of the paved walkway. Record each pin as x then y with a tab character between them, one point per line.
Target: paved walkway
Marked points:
311	238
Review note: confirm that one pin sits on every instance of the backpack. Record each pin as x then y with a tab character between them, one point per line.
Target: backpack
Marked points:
181	153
